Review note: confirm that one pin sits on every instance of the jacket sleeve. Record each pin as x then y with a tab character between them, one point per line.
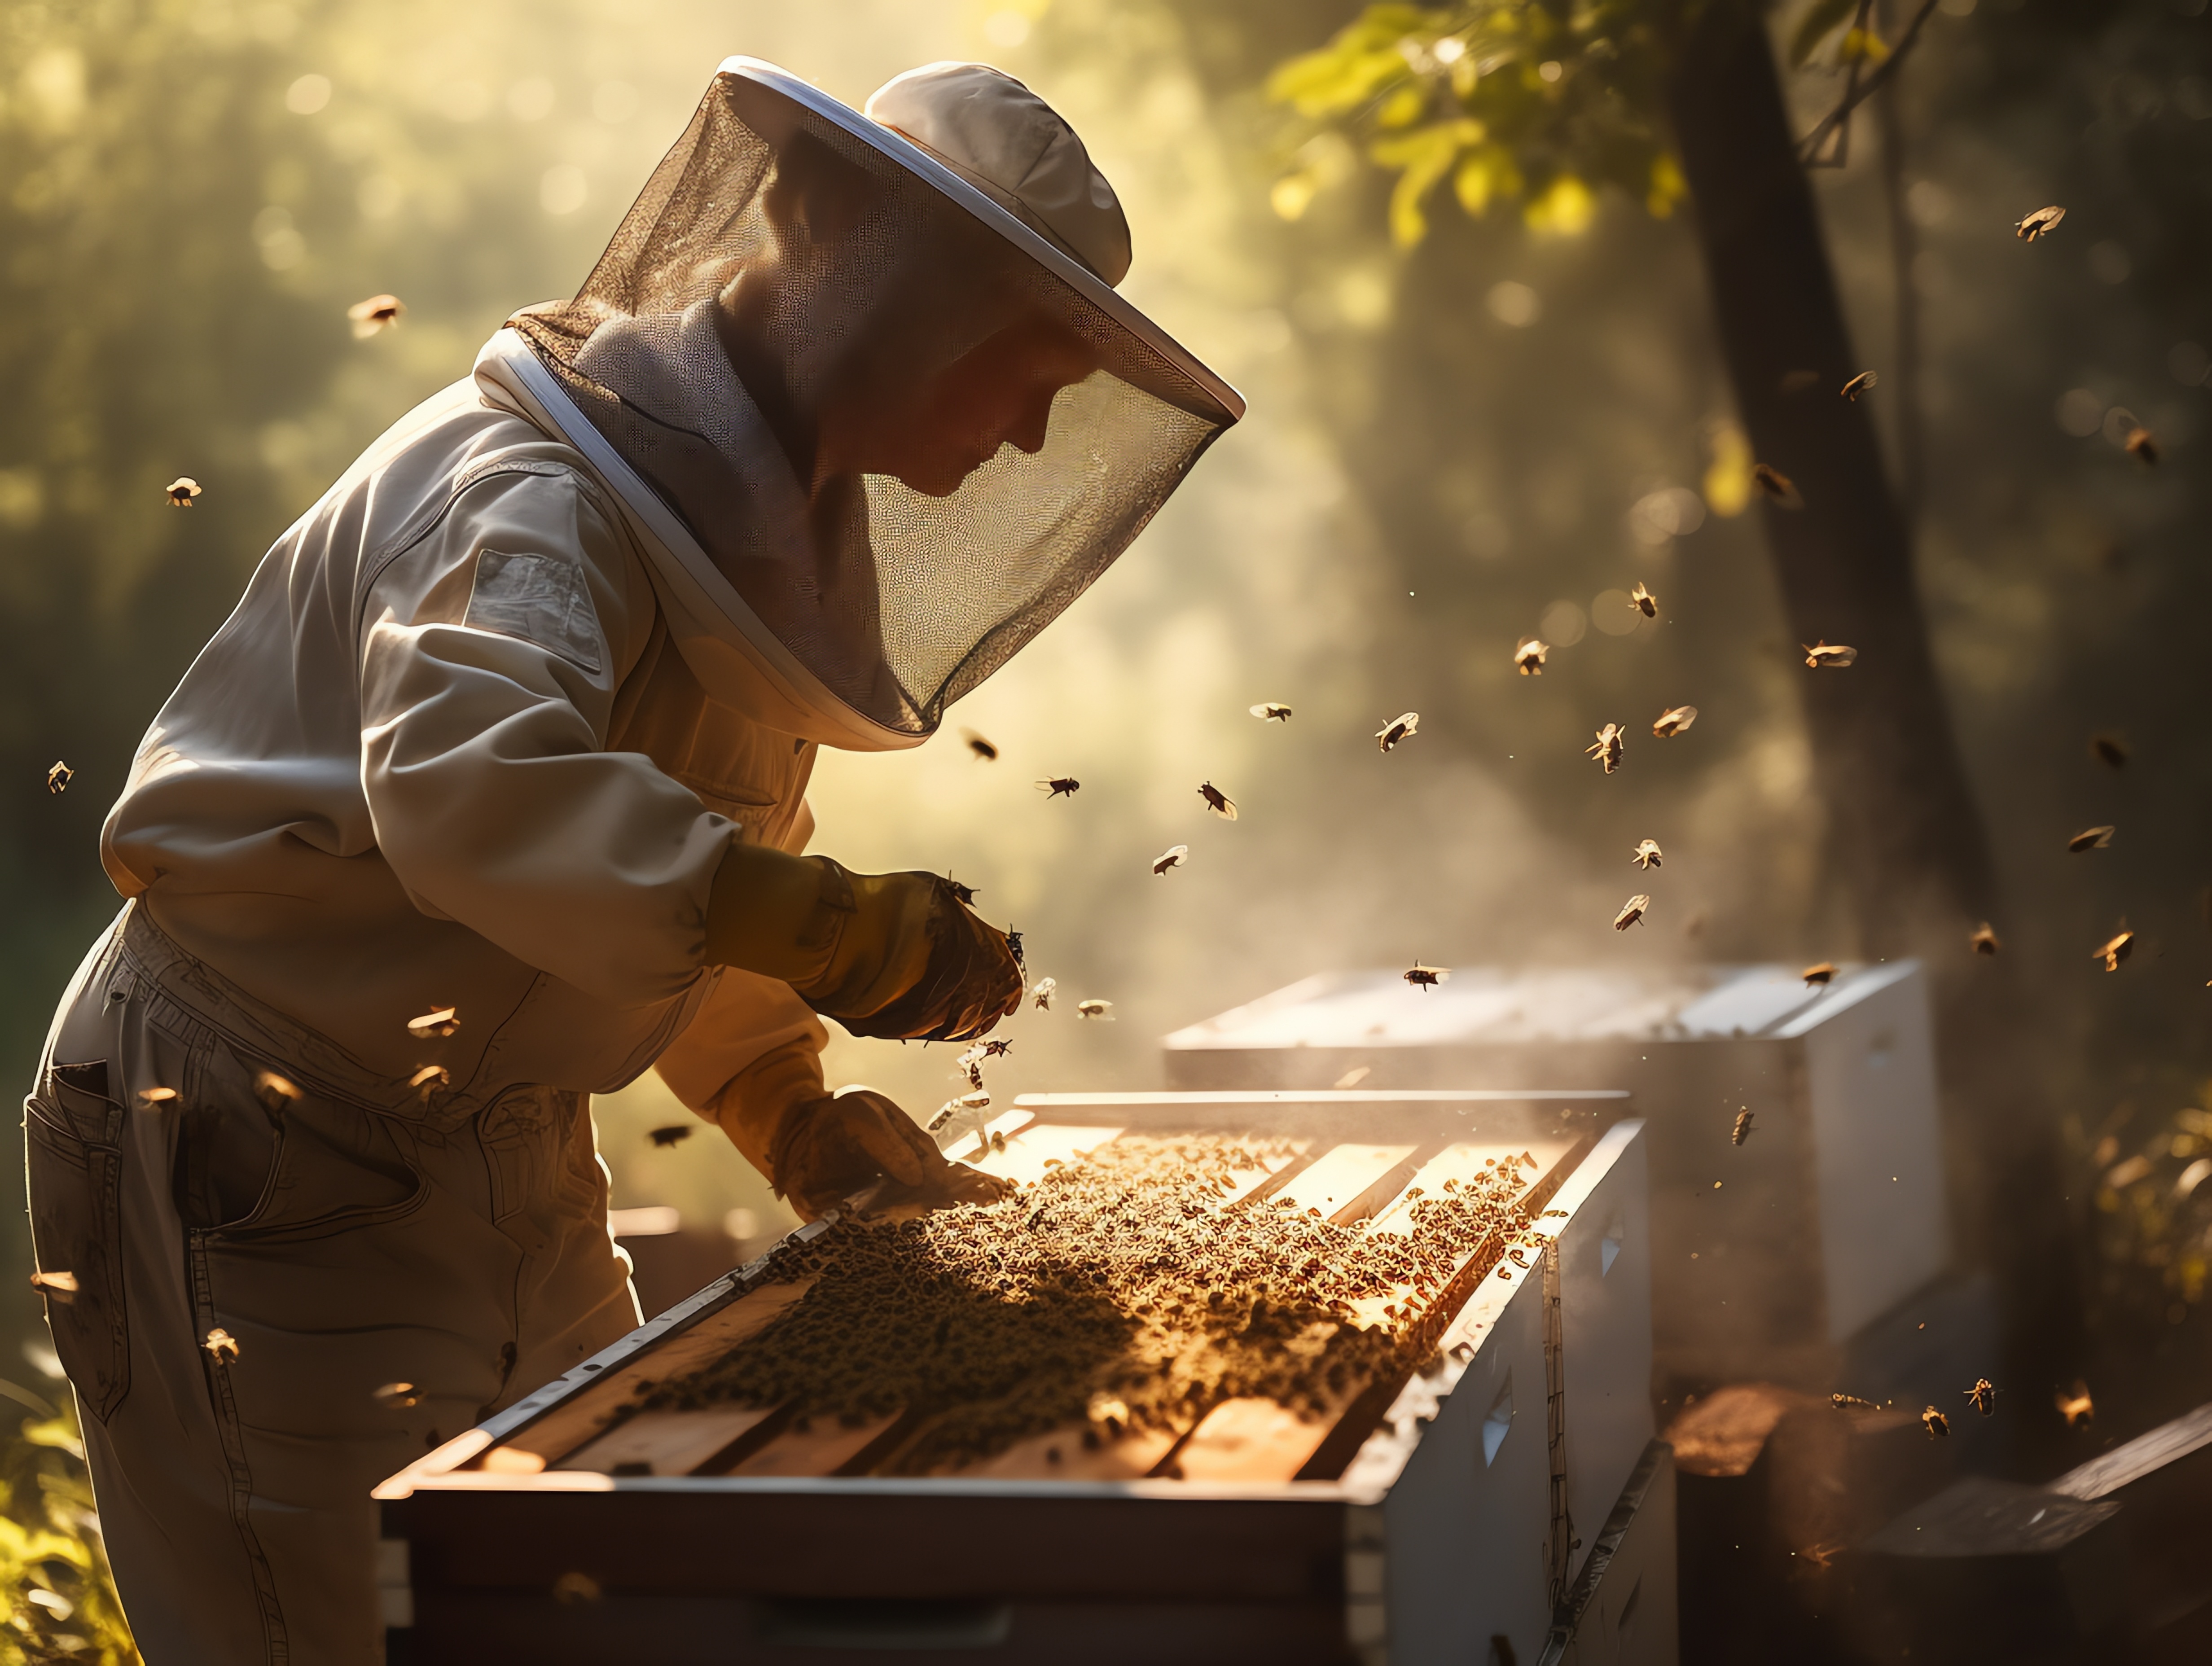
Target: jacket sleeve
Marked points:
491	649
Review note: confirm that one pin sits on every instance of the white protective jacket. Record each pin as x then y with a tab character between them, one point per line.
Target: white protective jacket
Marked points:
445	753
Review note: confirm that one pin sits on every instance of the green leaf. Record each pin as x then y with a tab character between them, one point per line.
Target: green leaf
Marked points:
1423	159
1822	20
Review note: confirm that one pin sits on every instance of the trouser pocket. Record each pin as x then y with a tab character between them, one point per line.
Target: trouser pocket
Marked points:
73	1160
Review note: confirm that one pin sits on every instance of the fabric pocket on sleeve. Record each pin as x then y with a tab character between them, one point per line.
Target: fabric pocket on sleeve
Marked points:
541	599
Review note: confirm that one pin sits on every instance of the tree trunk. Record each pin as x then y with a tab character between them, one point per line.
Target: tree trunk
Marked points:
1904	831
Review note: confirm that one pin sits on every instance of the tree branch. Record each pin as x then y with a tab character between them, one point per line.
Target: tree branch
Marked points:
1809	146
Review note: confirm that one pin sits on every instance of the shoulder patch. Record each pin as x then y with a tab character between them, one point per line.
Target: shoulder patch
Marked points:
540	600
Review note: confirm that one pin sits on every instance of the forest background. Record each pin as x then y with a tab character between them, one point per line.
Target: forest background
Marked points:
1496	429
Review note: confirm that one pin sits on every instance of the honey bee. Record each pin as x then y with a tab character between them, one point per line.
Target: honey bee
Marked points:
440	1021
377	312
1608	748
2041	223
1528	657
58	776
982	748
1674	721
2109	748
1851	1402
1398	728
1936	1423
276	1091
1984	939
1643	601
182	491
675	1134
1858	385
1217	801
2090	838
1824	972
2141	446
2079	1410
399	1396
1776	487
1824	655
1425	978
964	894
2116	949
156	1096
1174	856
1271	711
1983	1396
1041	997
222	1347
1059	786
1101	1009
1632	912
428	1080
1741	1131
61	1286
1647	853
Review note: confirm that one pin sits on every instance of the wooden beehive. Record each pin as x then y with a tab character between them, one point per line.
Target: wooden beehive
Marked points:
1434	1510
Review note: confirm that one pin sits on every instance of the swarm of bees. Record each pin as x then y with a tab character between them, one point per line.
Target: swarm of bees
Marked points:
1776	487
1821	972
1858	385
182	491
1647	853
376	313
1271	711
58	776
1059	786
1217	800
1983	1396
1936	1423
2041	223
1632	912
1741	1131
1607	747
1676	719
1174	856
1425	978
1824	655
1984	939
2114	950
1398	729
1530	656
1643	601
674	1134
2090	838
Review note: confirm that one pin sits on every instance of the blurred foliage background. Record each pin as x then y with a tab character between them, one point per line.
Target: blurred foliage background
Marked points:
1482	408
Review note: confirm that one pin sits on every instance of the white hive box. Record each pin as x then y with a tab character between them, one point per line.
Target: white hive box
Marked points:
1830	1214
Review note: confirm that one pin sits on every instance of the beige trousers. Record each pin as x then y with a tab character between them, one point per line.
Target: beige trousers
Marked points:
344	1248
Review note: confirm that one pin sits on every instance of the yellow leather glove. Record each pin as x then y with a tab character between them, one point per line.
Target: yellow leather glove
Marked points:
890	955
818	1148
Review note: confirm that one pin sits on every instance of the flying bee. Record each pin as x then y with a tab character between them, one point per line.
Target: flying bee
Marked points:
2041	223
1936	1423
399	1396
58	776
2090	838
1528	657
1983	1396
1398	728
1174	856
1101	1009
1776	487
2141	446
2109	748
276	1092
964	895
1647	853
1217	801
2115	951
943	1114
222	1347
1674	721
1425	978
998	1047
1741	1131
1643	601
1271	711
1059	786
428	1080
62	1286
1608	748
1824	655
156	1096
440	1021
982	748
1041	997
1824	972
182	491
1632	912
1851	1402
1858	385
674	1134
1984	939
377	312
2079	1410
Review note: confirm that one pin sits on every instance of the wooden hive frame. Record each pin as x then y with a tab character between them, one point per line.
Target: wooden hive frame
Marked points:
559	1529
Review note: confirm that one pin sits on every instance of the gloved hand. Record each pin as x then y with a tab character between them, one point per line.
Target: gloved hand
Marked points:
827	1149
890	955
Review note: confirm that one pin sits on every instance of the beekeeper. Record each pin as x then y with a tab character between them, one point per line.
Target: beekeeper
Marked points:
517	721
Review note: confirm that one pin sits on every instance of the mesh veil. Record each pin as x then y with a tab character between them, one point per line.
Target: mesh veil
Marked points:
781	273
